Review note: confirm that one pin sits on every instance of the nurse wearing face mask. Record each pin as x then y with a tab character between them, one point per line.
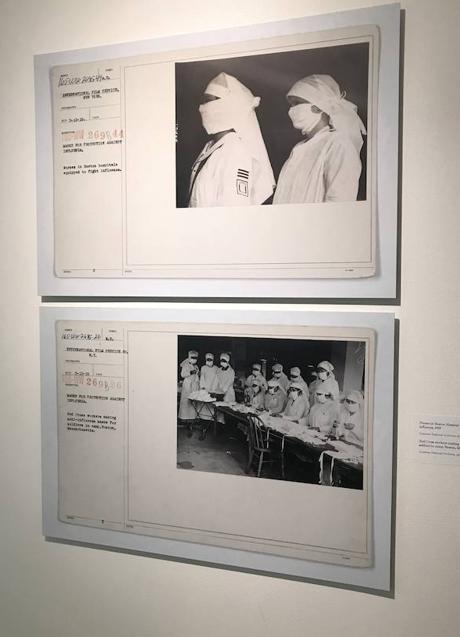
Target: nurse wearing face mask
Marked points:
296	407
190	383
225	379
233	169
258	395
326	166
351	427
295	377
208	374
325	380
208	382
324	413
256	375
275	398
280	376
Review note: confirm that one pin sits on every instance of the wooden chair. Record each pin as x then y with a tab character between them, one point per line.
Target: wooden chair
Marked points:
264	446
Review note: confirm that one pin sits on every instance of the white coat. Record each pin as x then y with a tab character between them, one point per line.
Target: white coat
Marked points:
323	415
328	386
208	378
283	381
190	384
326	167
275	403
258	379
257	400
356	433
225	380
297	410
223	175
300	381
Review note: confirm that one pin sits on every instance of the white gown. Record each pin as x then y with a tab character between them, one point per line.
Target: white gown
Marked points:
297	410
283	381
208	378
326	167
190	384
356	434
275	403
208	381
257	400
224	174
225	380
328	386
322	416
259	379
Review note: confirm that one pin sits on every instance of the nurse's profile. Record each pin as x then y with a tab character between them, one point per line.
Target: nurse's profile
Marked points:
326	165
233	169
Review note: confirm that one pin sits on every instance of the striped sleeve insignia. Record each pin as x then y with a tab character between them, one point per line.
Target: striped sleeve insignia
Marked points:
242	178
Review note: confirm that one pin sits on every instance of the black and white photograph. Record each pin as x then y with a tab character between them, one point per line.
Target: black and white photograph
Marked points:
276	408
273	128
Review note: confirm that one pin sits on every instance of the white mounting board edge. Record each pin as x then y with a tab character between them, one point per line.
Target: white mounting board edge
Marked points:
381	286
377	577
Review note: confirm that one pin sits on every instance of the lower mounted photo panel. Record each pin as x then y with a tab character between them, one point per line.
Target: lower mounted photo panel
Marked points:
259	439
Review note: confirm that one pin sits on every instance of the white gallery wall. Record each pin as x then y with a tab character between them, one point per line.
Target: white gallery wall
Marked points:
57	590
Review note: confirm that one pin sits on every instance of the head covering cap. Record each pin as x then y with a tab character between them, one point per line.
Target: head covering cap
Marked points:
356	395
193	352
240	104
277	367
296	385
324	92
326	365
225	356
257	366
209	355
295	371
273	383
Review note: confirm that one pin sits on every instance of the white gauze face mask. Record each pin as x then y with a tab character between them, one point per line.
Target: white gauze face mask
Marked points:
303	118
352	407
216	116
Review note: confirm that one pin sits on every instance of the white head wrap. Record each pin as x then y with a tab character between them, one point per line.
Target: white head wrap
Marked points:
324	92
237	107
326	365
225	356
357	396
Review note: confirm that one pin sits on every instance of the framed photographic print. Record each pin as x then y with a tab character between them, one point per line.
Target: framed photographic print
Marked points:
260	162
261	440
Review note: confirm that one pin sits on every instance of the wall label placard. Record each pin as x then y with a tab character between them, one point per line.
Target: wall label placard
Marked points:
437	439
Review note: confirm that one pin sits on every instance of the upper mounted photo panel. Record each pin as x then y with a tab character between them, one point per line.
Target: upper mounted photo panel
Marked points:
262	163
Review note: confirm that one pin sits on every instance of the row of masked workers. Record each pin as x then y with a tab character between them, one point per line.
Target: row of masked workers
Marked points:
320	406
317	406
215	379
